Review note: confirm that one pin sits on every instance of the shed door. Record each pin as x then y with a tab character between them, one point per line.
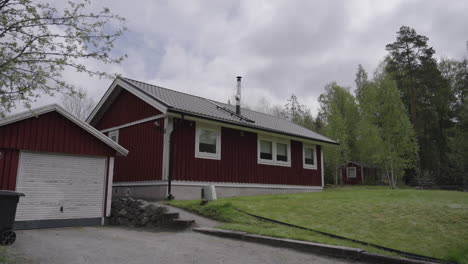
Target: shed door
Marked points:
60	186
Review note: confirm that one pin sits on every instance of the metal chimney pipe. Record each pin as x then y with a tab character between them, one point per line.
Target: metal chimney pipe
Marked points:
238	95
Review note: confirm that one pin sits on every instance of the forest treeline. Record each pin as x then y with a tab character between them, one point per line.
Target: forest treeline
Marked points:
408	117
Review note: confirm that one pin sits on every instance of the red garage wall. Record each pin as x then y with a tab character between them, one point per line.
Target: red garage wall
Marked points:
52	132
145	145
238	162
8	168
356	180
126	108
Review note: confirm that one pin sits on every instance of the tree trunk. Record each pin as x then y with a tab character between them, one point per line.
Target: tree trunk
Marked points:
393	175
388	177
336	176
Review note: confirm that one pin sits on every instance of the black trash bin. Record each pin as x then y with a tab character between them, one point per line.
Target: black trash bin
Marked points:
8	202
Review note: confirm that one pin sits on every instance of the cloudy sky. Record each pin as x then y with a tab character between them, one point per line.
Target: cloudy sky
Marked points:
279	47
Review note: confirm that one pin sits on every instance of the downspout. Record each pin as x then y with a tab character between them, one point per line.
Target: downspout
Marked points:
171	146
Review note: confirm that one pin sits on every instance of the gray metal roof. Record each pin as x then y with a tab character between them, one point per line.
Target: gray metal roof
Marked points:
206	108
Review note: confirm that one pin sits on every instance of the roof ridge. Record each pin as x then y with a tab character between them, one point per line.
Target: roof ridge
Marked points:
248	109
169	89
208	99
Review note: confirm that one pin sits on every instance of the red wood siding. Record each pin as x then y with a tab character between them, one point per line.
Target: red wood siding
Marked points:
8	168
126	108
145	145
52	132
356	180
238	162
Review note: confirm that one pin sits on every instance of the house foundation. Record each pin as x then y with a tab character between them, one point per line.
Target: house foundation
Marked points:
192	190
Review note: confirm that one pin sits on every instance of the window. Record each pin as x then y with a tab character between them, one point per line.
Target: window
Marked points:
351	172
309	156
274	151
207	142
114	135
282	152
266	150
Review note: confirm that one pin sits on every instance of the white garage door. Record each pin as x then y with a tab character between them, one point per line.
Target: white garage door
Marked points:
60	186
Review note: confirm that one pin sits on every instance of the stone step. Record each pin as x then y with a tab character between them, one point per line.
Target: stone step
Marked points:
169	217
182	223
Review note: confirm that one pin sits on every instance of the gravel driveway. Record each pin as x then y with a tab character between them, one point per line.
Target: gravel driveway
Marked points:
123	245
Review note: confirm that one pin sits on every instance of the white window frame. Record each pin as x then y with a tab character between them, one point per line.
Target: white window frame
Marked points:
273	161
116	134
355	173
204	155
314	156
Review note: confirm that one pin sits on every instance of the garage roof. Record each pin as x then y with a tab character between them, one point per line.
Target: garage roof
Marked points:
51	108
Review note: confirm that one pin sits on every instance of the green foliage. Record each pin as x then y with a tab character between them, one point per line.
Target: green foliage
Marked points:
339	113
361	80
428	97
38	43
389	128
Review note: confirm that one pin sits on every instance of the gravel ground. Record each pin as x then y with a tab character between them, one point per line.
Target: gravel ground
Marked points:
119	245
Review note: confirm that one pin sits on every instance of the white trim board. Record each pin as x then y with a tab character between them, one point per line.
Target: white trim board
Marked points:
217	184
118	82
134	123
321	166
110	179
167	132
54	107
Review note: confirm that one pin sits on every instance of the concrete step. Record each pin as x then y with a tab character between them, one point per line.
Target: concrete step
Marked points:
169	217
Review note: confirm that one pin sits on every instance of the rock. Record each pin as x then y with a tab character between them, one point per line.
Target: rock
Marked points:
122	221
141	202
152	209
122	212
144	220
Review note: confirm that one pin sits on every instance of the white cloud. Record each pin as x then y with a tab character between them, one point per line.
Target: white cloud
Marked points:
280	47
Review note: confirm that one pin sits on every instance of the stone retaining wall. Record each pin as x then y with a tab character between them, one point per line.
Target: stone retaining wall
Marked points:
136	213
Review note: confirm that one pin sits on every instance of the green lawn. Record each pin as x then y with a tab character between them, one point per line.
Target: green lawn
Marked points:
430	223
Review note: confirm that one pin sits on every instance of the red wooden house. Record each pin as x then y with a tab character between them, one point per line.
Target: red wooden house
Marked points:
179	142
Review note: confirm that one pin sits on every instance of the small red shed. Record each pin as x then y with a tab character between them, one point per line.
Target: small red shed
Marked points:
62	164
354	172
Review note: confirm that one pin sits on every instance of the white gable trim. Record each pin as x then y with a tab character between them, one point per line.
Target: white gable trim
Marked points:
125	85
50	108
134	123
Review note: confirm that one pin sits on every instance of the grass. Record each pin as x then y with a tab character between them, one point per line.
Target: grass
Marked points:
429	223
8	257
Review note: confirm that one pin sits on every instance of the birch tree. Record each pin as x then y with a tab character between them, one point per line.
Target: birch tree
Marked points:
384	112
38	42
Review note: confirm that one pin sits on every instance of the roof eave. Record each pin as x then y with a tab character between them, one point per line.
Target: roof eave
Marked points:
178	111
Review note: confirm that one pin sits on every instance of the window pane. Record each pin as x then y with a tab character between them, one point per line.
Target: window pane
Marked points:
207	141
351	172
281	152
309	156
266	150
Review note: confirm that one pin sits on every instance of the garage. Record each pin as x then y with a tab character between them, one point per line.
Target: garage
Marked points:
63	165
